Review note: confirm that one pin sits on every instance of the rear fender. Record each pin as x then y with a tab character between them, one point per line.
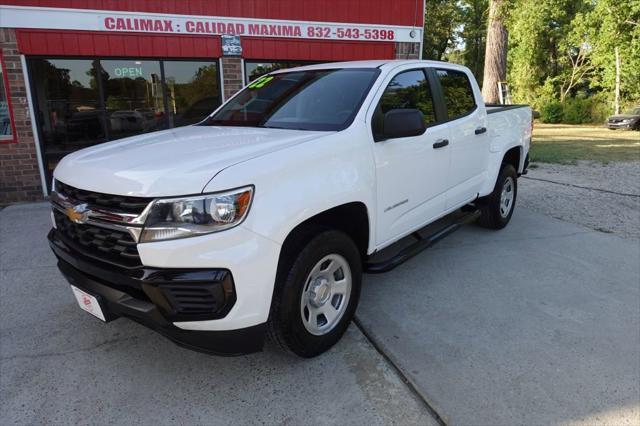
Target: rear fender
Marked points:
495	163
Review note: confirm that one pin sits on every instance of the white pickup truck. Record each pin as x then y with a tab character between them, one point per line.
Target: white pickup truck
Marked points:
262	218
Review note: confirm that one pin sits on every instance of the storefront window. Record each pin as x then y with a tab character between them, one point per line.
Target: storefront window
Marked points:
133	97
76	109
68	106
192	91
6	127
255	69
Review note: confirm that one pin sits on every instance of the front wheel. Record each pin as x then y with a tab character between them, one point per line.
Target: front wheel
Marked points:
497	208
316	294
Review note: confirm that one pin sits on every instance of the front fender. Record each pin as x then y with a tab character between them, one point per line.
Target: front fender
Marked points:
299	182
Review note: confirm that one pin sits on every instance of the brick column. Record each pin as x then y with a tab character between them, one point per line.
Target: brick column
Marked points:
19	173
407	50
231	75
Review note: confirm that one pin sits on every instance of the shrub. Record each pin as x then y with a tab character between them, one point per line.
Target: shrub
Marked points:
577	111
600	110
551	112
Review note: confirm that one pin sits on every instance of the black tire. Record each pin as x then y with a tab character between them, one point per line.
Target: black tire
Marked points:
285	326
490	207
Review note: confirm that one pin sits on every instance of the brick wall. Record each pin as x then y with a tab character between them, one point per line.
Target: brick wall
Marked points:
19	174
407	50
231	75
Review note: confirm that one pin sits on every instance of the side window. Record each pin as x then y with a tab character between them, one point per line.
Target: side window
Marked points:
409	89
457	92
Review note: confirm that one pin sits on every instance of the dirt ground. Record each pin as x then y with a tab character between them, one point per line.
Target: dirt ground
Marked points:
602	196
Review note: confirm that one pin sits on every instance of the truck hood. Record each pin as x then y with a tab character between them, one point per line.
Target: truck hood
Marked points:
171	162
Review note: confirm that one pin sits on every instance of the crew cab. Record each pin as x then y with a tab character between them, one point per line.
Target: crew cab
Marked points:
261	219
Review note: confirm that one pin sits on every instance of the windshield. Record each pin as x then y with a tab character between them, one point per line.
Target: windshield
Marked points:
302	100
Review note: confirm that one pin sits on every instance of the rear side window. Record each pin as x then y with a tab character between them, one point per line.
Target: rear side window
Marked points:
457	92
409	89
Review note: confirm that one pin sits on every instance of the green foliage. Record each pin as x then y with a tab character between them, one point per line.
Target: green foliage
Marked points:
609	25
183	95
456	31
442	20
570	46
538	52
551	112
600	108
474	15
116	103
577	111
559	50
543	95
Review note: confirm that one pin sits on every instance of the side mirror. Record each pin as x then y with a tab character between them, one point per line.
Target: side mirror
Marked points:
402	123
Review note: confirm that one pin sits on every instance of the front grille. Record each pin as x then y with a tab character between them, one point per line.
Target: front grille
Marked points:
112	246
116	203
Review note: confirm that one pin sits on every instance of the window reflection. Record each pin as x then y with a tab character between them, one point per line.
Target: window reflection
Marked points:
6	131
458	94
68	106
76	109
256	69
409	89
192	91
133	97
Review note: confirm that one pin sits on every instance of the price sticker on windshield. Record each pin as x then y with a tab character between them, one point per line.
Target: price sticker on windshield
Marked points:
261	82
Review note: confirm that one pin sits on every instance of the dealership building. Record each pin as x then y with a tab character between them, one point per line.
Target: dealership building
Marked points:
79	73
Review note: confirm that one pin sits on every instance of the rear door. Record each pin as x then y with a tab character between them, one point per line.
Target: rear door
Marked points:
469	138
411	172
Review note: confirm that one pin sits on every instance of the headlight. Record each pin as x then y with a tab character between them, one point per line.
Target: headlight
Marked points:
626	120
190	216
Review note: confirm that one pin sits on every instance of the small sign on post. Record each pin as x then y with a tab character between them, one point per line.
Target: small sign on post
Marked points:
231	45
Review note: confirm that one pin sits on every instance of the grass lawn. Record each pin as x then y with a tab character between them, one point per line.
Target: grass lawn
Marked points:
565	144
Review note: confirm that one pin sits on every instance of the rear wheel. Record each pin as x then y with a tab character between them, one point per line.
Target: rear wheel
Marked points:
316	294
497	208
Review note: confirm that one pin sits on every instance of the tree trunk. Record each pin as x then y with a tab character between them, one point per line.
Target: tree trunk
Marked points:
617	99
495	59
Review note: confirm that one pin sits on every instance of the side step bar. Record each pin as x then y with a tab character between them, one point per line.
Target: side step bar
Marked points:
421	244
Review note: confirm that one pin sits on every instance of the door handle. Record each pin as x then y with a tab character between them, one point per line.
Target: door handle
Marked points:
440	143
481	130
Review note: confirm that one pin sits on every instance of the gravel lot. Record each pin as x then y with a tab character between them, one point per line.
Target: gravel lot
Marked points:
601	196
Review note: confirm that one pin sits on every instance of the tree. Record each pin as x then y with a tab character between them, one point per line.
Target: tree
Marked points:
577	67
614	36
442	21
474	34
495	62
547	56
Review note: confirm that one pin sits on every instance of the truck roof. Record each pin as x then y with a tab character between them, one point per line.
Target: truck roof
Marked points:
381	63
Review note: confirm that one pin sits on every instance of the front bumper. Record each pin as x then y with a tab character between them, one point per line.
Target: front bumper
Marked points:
620	125
152	297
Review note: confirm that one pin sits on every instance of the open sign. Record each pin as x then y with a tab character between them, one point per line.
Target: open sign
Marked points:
128	72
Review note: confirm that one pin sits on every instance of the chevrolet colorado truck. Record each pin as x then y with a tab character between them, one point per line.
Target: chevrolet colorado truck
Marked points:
261	219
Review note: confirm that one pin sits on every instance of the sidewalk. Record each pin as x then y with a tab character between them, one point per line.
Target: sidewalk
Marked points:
535	324
58	365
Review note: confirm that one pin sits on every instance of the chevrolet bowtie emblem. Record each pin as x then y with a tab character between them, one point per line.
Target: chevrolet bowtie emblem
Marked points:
78	213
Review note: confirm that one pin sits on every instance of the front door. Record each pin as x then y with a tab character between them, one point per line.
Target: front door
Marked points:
411	172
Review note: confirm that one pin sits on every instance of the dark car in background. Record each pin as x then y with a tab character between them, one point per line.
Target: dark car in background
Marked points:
629	120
